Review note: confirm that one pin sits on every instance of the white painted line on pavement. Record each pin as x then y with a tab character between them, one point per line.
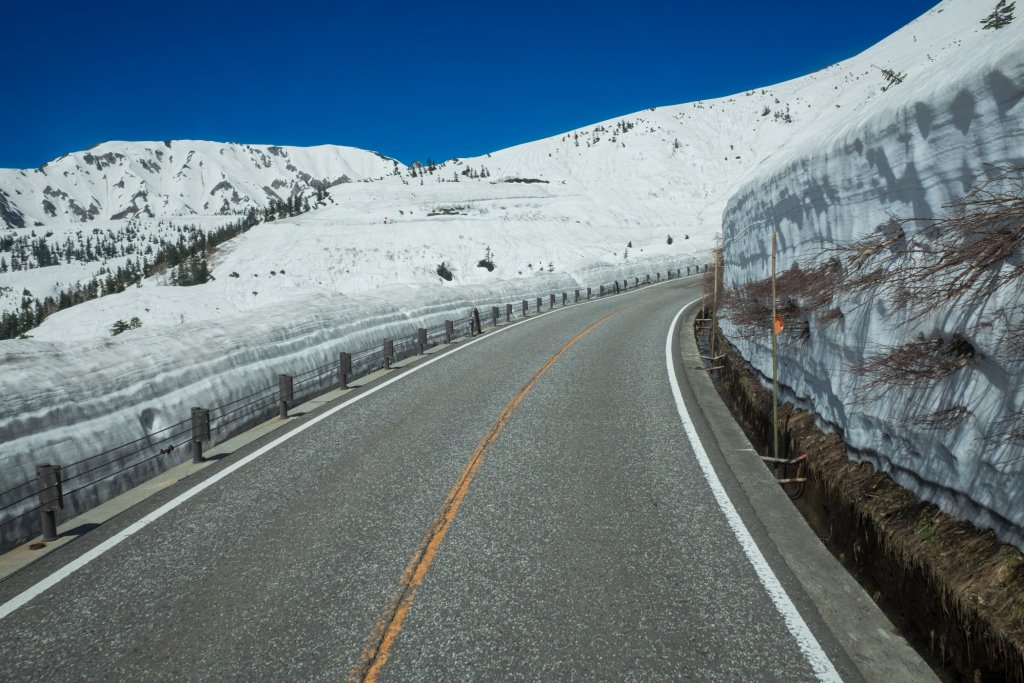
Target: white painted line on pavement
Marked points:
806	641
67	570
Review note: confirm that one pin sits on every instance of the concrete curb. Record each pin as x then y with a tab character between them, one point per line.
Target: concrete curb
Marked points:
858	625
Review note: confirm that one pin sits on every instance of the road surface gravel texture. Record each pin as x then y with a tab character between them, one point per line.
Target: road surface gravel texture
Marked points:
588	545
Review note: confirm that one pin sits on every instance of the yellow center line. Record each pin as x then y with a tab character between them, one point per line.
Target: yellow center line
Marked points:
375	653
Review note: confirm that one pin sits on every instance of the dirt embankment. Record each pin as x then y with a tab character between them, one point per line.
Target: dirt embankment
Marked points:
955	592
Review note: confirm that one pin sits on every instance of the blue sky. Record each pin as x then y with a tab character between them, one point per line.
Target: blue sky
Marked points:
411	80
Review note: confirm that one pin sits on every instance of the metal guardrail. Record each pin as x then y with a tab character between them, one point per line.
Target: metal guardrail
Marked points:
73	486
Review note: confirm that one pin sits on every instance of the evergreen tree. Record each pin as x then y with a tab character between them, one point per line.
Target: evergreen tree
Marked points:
444	271
487	261
1001	17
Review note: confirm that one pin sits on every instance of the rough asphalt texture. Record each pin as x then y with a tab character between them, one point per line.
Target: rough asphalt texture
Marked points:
588	548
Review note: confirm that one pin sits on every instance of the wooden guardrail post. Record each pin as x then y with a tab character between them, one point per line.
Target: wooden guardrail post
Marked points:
565	298
285	394
51	498
200	432
508	313
526	307
494	316
601	291
576	297
659	277
449	331
344	368
552	306
389	353
588	293
540	304
421	340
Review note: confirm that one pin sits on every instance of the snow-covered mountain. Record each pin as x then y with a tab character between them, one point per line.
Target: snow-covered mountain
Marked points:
569	199
121	180
582	195
587	203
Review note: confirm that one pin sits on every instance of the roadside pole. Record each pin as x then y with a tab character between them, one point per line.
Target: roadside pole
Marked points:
775	362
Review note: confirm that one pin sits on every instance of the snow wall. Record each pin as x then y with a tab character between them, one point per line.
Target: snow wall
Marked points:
934	139
62	402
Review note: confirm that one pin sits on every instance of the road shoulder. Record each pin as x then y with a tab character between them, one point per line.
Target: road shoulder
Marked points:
865	634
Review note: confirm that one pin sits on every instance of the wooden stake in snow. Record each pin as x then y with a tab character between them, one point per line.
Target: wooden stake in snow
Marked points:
714	304
776	328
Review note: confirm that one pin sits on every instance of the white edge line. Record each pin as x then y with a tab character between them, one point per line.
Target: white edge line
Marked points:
808	644
70	568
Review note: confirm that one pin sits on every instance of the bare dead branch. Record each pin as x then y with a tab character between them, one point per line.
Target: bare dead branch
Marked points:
947	418
920	362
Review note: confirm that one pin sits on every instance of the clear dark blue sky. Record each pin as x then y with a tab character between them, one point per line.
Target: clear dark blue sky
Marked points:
411	80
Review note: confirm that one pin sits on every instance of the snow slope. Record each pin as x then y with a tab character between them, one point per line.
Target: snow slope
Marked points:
909	151
153	188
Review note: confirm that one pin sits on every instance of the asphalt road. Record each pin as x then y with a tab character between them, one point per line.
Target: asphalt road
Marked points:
581	540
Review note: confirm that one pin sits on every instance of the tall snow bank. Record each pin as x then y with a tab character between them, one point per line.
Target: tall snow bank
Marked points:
927	143
61	402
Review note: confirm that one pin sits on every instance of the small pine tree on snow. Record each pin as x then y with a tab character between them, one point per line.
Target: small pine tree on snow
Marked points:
999	18
487	261
630	245
669	240
891	77
444	271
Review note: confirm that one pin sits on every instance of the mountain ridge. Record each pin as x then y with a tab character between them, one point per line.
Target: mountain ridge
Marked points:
175	178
